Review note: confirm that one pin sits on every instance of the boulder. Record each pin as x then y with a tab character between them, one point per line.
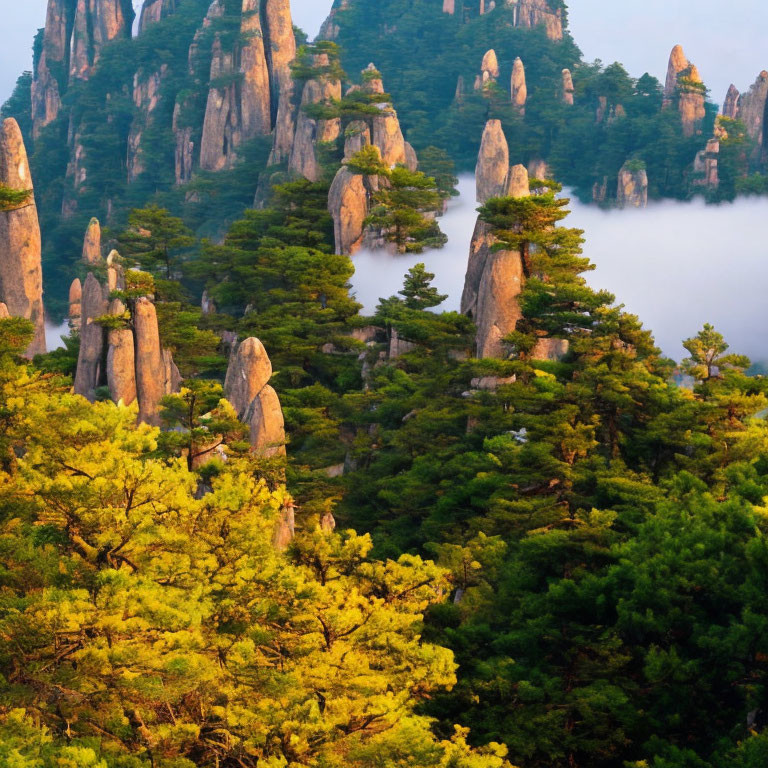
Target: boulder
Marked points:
21	274
492	162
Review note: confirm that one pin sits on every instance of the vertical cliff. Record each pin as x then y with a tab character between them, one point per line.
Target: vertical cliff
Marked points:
21	274
96	22
153	11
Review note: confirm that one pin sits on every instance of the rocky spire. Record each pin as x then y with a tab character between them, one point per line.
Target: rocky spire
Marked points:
492	162
21	274
92	243
75	300
685	86
494	280
489	69
519	89
633	186
677	64
255	99
568	88
731	103
256	402
153	11
348	204
150	368
52	61
96	23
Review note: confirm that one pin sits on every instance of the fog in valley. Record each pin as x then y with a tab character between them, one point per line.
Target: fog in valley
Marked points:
676	265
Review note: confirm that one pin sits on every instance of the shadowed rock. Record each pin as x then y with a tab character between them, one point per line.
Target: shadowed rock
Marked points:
731	103
90	361
256	98
153	11
21	275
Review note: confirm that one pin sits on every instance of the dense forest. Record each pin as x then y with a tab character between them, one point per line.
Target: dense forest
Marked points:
342	540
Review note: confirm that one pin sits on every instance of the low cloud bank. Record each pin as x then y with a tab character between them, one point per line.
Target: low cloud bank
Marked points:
676	265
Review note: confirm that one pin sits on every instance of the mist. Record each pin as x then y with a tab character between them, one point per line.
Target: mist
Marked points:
675	265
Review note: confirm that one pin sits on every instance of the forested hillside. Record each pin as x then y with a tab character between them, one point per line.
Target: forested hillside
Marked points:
244	525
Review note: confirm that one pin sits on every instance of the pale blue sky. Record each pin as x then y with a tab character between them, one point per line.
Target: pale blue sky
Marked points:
728	44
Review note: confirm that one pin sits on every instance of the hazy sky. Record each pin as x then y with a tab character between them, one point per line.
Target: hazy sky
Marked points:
727	42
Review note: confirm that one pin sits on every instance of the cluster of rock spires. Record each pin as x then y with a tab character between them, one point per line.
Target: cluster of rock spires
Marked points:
21	275
350	196
128	358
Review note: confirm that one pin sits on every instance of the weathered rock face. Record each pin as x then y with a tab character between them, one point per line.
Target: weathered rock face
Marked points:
692	101
54	57
96	22
265	418
330	28
146	97
348	204
184	156
249	371
91	358
706	165
518	182
532	13
568	88
92	243
121	360
21	275
280	43
357	136
731	103
492	162
303	159
519	89
538	169
247	388
388	137
155	10
752	106
633	187
221	128
256	98
150	367
498	311
449	6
